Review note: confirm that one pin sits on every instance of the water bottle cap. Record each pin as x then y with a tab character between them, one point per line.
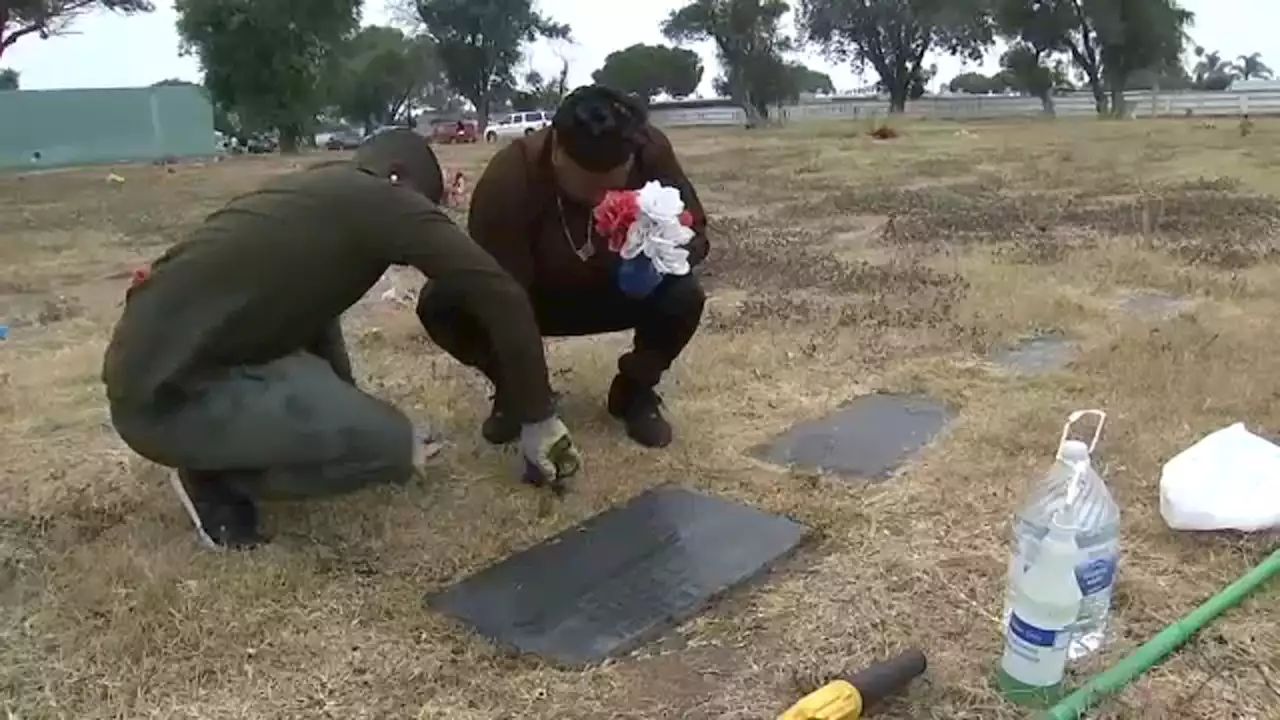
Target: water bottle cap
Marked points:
1074	451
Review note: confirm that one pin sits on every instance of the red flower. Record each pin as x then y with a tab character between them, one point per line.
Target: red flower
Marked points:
686	218
615	215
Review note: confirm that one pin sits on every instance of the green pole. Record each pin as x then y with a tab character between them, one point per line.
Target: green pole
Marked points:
1166	641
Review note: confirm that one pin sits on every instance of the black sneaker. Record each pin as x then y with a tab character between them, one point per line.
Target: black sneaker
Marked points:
498	429
640	408
224	519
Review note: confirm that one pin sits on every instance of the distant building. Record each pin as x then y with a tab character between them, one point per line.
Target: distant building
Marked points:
54	128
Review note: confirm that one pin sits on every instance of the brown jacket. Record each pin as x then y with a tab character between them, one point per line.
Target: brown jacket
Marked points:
514	214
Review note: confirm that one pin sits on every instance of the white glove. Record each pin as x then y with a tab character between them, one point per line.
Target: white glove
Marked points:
548	451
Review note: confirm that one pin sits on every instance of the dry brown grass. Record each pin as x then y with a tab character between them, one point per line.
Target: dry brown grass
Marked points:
842	265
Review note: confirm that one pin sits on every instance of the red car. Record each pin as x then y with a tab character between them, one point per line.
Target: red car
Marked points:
448	132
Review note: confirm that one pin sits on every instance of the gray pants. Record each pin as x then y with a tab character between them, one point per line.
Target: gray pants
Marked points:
288	429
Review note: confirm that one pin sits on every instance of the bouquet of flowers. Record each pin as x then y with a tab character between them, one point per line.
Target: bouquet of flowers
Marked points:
649	229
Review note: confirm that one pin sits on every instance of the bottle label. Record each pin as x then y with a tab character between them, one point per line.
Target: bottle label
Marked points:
1034	655
1096	575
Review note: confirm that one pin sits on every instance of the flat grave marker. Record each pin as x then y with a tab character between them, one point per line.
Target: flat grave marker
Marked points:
870	437
628	574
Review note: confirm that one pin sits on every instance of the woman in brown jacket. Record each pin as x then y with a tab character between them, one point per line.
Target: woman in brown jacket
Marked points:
532	210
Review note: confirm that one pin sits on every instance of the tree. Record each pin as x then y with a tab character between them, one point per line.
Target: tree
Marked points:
1109	41
1137	35
649	70
1208	64
780	84
265	60
975	83
1171	78
539	93
47	18
380	73
1211	72
9	79
479	43
894	36
807	80
1251	66
749	44
1027	72
919	83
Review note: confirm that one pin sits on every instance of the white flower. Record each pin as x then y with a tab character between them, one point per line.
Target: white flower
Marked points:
659	202
662	243
667	257
657	232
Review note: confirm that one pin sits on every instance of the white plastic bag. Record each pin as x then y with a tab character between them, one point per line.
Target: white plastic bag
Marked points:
1229	480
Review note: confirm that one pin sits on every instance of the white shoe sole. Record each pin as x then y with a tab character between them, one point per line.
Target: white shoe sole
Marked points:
203	537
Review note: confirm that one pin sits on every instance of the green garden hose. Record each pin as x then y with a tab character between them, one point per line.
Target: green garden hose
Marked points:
1166	641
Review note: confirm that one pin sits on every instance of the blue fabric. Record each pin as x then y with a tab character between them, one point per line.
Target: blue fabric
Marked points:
638	277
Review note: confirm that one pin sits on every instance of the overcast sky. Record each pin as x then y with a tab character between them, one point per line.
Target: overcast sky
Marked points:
113	51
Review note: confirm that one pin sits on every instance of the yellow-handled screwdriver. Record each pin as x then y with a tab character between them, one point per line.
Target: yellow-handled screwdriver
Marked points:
848	699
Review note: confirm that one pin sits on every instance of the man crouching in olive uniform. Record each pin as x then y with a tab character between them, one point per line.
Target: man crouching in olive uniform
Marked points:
229	364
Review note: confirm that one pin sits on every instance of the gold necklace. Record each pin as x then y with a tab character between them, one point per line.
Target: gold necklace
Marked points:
585	252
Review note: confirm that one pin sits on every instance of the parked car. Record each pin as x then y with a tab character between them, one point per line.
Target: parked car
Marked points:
517	124
260	144
448	132
343	140
384	128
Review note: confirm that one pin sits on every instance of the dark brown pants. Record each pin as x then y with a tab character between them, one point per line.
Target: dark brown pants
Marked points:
664	323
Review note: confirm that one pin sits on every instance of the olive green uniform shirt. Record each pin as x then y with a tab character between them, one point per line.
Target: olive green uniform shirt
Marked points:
271	273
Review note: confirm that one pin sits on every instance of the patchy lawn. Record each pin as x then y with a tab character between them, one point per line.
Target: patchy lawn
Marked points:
841	265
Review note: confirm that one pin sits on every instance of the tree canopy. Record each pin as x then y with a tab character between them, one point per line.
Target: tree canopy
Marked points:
976	83
1025	68
9	79
1212	71
808	80
750	45
539	93
47	18
267	59
650	70
380	74
1110	41
1250	66
786	86
480	42
894	37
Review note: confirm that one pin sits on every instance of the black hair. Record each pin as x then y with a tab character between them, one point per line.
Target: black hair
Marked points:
401	150
599	127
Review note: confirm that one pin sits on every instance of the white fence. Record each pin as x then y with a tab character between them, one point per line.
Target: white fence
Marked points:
974	107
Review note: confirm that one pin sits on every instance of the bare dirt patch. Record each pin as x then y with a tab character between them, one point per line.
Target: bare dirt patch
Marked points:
836	272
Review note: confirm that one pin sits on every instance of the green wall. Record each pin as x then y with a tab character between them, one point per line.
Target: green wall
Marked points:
54	128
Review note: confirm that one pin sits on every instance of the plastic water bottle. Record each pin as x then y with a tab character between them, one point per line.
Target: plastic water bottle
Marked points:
1046	603
1073	493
